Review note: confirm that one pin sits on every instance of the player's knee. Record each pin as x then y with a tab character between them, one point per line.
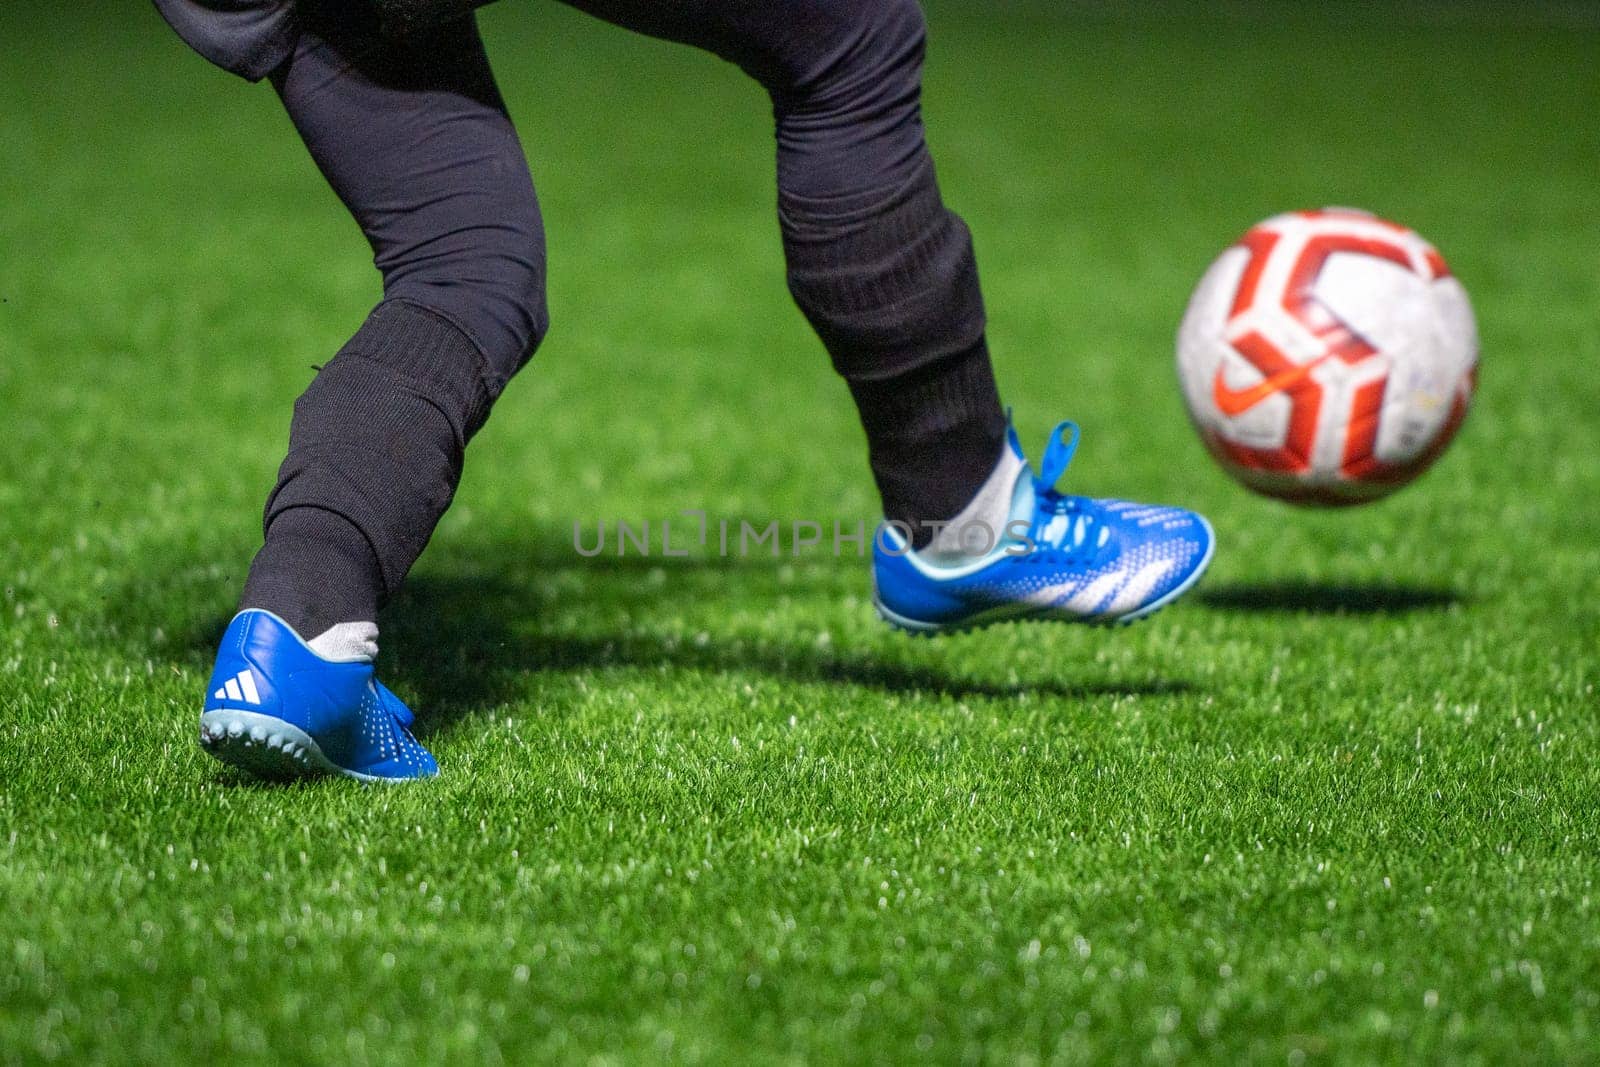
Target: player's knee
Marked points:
850	125
901	30
494	294
515	314
875	55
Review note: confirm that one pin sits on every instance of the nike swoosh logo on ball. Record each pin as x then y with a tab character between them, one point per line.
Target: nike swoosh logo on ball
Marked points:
1233	402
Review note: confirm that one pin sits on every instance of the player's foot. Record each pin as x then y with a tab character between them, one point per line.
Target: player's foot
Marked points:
277	709
1058	557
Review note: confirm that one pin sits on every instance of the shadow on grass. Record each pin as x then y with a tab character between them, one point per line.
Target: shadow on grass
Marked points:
1328	599
482	620
453	651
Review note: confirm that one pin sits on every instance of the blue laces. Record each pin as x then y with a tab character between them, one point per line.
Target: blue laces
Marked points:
1066	525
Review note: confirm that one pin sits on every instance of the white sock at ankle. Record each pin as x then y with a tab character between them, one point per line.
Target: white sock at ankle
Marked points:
348	642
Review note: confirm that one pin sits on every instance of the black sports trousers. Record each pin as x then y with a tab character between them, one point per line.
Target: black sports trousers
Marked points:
415	138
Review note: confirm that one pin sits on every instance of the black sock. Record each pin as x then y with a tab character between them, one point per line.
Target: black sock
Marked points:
375	454
316	570
934	435
890	283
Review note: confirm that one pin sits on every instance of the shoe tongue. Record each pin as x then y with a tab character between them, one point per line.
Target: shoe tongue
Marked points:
1023	501
1023	497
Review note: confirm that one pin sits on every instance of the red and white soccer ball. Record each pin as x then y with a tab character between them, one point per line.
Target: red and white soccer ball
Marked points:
1328	357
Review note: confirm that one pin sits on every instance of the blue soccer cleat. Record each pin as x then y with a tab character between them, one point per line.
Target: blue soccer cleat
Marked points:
279	710
1058	557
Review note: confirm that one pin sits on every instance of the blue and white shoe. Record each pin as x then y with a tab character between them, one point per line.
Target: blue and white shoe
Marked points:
279	710
1058	557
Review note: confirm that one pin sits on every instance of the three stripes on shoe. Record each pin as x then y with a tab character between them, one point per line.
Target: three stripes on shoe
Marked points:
241	688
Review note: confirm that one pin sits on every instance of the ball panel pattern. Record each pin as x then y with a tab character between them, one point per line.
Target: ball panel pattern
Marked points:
1328	357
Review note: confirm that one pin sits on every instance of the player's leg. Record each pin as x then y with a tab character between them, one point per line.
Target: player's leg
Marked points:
415	140
881	268
885	273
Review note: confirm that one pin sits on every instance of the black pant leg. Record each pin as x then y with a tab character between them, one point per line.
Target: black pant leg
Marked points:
415	139
882	269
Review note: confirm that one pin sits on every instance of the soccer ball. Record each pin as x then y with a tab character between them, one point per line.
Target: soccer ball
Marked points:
1328	357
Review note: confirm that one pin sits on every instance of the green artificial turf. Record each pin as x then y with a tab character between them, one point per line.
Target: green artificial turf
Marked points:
1338	805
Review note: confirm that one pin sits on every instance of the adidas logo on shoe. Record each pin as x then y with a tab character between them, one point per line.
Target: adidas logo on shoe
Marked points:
241	689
